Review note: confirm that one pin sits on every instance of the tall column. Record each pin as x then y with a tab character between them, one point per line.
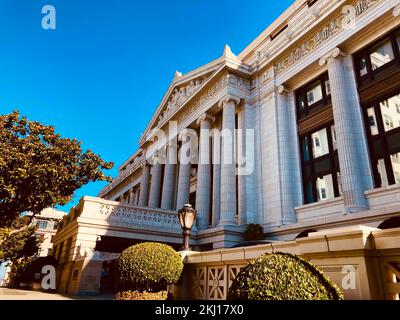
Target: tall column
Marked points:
169	179
203	192
183	193
216	181
144	186
155	188
228	165
287	181
132	197
347	139
246	165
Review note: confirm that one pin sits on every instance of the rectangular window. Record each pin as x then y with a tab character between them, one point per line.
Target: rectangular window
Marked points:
382	54
383	121
41	224
321	175
314	95
378	60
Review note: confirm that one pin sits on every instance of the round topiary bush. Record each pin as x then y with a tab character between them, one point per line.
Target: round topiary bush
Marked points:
282	276
148	267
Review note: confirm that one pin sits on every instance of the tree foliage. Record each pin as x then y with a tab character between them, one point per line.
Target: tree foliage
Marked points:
39	168
19	241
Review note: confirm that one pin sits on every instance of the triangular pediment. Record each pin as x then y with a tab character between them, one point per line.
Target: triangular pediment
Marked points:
184	87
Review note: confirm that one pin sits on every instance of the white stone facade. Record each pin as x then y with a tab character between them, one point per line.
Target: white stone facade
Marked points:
255	90
259	86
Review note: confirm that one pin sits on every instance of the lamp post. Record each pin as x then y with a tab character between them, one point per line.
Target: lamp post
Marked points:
187	217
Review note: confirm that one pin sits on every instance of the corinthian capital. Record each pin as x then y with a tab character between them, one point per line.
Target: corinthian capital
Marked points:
334	54
228	98
282	90
206	117
396	11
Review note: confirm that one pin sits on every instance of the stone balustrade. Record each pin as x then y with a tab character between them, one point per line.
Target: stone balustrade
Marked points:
364	263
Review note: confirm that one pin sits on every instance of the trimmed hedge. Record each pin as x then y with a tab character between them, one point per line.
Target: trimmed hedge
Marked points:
148	267
282	276
135	295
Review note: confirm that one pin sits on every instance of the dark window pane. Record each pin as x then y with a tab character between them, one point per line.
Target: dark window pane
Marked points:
307	172
322	166
377	147
306	152
393	142
309	193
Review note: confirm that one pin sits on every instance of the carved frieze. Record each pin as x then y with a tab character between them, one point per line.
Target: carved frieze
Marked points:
329	29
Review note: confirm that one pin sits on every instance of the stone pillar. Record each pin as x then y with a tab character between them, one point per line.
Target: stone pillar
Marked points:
228	165
183	193
287	183
132	197
155	189
169	180
216	181
347	140
203	192
144	186
246	165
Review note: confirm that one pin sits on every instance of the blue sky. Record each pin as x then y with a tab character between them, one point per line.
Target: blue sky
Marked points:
101	74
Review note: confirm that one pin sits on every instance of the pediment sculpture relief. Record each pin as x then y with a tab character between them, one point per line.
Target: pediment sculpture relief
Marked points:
179	97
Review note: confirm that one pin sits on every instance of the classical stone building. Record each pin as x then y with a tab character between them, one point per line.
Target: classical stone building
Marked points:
47	224
314	104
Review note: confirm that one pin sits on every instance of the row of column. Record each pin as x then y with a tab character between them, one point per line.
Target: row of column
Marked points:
216	183
280	164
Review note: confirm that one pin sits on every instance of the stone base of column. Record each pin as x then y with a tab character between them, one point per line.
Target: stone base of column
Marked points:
223	223
288	221
353	209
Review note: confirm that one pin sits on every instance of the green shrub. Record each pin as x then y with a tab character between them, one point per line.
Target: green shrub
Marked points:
253	232
135	295
148	267
282	276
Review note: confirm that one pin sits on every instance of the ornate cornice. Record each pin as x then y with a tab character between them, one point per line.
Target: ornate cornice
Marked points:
319	37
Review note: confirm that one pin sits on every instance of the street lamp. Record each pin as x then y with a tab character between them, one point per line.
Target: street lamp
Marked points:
187	217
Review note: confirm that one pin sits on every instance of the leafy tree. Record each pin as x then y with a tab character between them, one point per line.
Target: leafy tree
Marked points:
20	245
19	241
39	168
